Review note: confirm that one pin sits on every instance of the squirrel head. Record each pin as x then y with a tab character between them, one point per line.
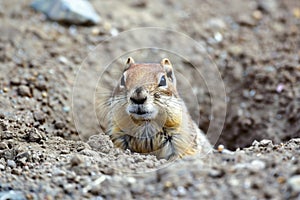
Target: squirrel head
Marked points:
148	75
144	84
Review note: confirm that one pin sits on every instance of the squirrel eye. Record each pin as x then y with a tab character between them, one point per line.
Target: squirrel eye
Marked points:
163	81
122	83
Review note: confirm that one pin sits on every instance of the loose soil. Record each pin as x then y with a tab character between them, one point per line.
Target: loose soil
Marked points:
52	146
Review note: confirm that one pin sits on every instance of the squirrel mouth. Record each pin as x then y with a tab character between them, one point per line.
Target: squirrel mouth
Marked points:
141	112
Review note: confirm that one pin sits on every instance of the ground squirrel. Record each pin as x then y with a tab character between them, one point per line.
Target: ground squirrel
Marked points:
146	114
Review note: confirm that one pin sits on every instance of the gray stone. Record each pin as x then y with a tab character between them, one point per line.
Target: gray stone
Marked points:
258	165
24	91
67	11
39	116
11	163
294	183
12	194
270	6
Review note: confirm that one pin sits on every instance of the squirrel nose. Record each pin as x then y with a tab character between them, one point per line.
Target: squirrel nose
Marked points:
138	100
139	96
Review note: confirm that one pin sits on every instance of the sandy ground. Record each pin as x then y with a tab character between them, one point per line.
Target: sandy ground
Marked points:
49	73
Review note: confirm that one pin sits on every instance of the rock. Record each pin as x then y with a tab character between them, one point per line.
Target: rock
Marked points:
59	125
139	3
15	81
246	20
7	135
3	146
235	50
39	116
262	143
16	171
23	157
270	6
78	12
23	91
181	191
296	12
2	116
215	24
218	37
58	172
294	183
12	194
63	60
220	148
75	160
259	98
66	109
257	15
41	85
34	136
11	164
216	173
137	188
258	165
265	143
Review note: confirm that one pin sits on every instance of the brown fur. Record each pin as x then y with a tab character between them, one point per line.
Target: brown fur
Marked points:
171	133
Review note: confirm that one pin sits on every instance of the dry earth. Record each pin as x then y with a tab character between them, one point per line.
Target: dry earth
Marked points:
256	47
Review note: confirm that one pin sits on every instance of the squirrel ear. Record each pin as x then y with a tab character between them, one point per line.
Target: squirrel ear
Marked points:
169	69
129	61
166	61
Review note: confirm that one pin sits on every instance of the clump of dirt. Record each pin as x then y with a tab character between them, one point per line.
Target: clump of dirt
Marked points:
255	46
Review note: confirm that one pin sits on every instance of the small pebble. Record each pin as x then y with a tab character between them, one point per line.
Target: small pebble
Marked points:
168	184
215	173
246	20
16	171
257	14
281	180
66	109
221	148
58	172
252	93
3	146
2	167
218	37
75	160
59	125
2	115
258	165
15	81
34	136
95	31
294	183
63	60
114	32
296	12
5	89
11	163
181	191
44	94
265	143
39	116
23	91
279	88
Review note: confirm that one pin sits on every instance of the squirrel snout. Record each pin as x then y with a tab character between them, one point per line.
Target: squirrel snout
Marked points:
139	96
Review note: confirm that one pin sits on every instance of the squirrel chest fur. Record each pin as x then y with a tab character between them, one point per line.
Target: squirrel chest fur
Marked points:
146	114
